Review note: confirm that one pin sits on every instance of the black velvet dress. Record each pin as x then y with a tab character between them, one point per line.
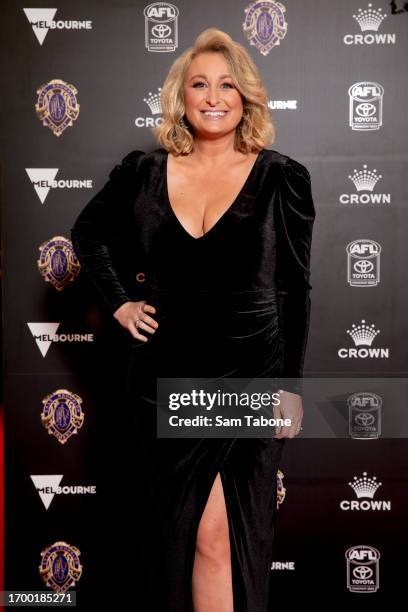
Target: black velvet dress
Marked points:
232	303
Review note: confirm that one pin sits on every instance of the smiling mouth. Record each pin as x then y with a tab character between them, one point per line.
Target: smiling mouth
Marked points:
214	114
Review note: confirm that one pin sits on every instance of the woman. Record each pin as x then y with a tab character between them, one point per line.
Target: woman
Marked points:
201	251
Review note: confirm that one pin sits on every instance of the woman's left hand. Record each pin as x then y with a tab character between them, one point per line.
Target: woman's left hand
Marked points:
290	407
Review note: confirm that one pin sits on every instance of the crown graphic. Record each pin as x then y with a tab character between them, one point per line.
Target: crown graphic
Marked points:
365	180
364	486
363	334
153	100
369	19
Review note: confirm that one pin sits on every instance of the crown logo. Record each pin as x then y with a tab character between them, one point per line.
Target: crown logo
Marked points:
369	19
154	103
365	180
364	486
363	334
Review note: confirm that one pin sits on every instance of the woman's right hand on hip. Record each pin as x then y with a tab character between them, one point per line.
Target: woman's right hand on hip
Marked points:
133	317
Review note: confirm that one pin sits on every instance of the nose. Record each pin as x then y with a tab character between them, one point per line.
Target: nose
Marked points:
212	95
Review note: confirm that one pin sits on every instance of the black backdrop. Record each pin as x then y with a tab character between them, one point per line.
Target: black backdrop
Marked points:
360	191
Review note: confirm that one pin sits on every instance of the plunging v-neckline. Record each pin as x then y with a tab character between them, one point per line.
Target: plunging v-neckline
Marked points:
226	211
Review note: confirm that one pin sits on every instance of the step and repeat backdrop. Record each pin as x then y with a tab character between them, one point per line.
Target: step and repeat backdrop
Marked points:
81	89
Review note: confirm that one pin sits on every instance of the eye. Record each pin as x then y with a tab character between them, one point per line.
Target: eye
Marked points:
198	83
230	85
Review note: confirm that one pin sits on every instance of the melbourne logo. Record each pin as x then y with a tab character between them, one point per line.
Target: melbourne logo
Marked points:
364	181
365	106
283	566
57	105
365	488
283	104
363	336
44	179
363	263
42	20
362	569
49	485
45	334
364	415
153	103
265	25
369	21
161	27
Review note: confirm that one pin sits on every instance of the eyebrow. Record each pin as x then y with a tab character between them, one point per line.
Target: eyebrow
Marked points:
223	76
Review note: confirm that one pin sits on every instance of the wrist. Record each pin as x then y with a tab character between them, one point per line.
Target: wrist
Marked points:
119	308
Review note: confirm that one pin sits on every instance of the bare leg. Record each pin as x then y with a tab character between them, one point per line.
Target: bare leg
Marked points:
212	580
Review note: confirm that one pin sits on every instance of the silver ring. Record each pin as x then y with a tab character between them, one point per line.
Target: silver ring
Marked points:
137	321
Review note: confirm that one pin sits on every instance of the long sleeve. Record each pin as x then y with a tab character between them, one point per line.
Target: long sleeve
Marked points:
294	218
102	229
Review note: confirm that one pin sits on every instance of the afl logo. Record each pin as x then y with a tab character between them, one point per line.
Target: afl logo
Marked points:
362	569
363	263
365	111
364	415
161	31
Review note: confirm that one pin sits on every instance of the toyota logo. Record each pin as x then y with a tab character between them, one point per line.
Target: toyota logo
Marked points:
364	418
161	30
366	109
363	266
362	572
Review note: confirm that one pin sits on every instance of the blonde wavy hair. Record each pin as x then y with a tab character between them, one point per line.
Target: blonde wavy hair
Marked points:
255	130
